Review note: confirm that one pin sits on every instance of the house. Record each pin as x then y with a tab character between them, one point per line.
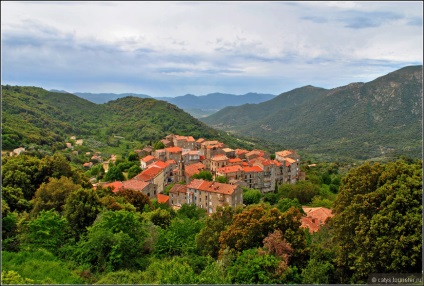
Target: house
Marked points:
230	153
241	153
191	170
178	195
217	162
173	153
210	195
146	161
153	175
88	165
314	218
167	143
254	177
184	142
160	154
235	172
115	186
18	151
163	199
190	157
146	188
148	150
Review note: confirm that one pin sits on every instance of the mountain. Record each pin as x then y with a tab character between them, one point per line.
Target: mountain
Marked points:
373	120
200	106
32	115
105	97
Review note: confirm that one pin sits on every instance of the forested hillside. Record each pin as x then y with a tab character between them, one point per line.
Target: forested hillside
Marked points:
374	120
32	115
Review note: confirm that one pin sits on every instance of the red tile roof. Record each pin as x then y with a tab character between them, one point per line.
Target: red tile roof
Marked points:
235	160
159	164
192	169
163	199
230	169
174	150
116	186
219	158
148	158
255	169
315	217
148	174
213	187
284	153
135	185
289	161
178	188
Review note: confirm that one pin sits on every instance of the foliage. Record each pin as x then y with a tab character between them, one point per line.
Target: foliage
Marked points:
40	266
134	171
251	196
191	211
114	174
13	277
113	242
207	240
159	217
303	191
221	179
81	209
52	195
204	174
378	221
285	204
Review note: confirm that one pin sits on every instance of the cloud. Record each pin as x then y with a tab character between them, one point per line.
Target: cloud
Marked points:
175	48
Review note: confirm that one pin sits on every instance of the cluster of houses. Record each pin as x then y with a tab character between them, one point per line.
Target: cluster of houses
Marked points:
184	156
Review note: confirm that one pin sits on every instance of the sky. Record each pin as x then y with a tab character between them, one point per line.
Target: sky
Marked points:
192	47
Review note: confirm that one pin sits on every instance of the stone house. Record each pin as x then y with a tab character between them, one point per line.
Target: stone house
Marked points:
210	195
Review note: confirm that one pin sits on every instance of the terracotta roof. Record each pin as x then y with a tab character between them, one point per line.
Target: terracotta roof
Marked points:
213	187
174	150
160	151
226	150
289	161
159	164
315	217
135	185
148	158
235	160
241	151
219	158
171	162
163	199
192	169
148	174
278	164
116	186
178	188
230	169
200	140
284	153
253	169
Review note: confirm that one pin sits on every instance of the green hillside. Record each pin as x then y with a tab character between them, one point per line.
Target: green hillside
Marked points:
378	119
32	115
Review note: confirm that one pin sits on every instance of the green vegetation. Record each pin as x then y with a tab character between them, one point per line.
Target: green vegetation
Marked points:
378	120
70	234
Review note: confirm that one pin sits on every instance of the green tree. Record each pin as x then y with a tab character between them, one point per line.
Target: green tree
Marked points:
251	196
378	221
81	209
134	171
13	277
191	211
159	145
304	191
285	204
136	198
204	174
14	197
48	230
52	195
222	179
132	157
114	242
114	174
159	217
207	240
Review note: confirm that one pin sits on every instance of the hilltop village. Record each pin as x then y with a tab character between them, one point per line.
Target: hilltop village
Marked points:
183	157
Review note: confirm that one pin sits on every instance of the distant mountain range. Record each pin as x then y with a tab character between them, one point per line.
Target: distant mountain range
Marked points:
105	97
378	119
198	106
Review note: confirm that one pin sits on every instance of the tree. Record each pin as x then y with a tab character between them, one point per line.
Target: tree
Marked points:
378	221
114	242
13	277
222	179
159	217
48	230
204	174
207	241
52	195
114	174
134	171
15	200
251	196
136	198
285	204
159	145
81	209
191	211
249	228
304	191
133	157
